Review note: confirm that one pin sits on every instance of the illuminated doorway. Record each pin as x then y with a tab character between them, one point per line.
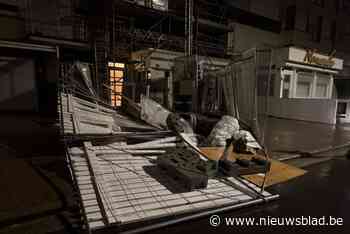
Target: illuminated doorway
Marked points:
116	77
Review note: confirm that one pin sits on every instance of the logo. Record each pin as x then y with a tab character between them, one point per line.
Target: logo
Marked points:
215	220
311	58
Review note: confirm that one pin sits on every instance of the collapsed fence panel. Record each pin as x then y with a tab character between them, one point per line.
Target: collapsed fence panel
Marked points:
121	184
246	86
120	188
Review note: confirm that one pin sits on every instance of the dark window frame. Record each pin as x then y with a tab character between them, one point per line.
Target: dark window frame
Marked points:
333	32
319	3
317	32
345	5
290	17
341	108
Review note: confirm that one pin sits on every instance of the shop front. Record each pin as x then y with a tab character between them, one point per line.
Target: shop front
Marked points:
303	85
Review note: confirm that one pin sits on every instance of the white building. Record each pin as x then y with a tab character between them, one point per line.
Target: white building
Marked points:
303	90
302	85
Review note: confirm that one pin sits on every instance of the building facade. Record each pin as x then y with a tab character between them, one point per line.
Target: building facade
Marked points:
36	38
315	31
111	31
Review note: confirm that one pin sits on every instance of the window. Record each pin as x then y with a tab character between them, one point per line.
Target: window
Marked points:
272	85
341	109
116	74
334	32
336	3
318	33
304	84
308	26
318	2
117	65
303	89
286	86
322	85
321	90
345	4
290	17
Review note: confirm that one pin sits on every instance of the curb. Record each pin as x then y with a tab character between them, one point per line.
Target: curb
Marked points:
313	152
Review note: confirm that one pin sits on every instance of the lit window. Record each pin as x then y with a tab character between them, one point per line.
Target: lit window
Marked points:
119	74
118	65
116	77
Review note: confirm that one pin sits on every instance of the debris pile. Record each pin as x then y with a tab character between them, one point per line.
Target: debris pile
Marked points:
145	162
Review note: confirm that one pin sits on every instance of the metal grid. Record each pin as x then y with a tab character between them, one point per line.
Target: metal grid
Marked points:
246	84
133	189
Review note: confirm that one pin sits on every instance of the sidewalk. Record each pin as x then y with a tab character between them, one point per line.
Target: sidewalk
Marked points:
36	193
288	137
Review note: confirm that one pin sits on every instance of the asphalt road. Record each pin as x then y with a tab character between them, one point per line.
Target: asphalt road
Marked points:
285	136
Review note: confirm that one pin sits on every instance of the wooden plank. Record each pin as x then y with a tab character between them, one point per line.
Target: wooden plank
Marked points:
93	105
93	129
96	178
95	121
95	224
70	105
90	116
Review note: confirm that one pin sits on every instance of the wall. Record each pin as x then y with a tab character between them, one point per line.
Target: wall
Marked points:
160	61
17	87
156	61
306	25
52	18
245	37
11	28
314	110
11	24
267	8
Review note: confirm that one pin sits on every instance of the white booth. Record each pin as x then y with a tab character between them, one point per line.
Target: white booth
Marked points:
302	85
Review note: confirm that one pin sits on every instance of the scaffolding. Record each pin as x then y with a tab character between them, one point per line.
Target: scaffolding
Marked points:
58	20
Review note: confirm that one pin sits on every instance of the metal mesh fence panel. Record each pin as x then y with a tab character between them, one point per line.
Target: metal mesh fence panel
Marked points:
246	84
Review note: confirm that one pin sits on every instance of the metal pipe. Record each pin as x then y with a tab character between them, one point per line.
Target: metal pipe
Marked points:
154	142
132	151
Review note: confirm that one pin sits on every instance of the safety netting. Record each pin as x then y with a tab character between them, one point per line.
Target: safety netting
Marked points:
246	87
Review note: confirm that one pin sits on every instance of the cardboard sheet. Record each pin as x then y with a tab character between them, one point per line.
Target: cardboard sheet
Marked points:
280	172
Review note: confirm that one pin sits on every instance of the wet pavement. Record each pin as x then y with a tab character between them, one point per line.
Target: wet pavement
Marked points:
285	136
323	191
